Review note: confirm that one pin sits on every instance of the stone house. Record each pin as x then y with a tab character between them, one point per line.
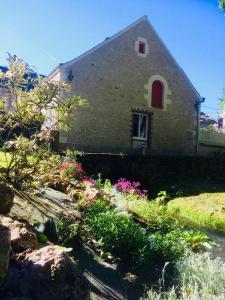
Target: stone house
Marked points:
139	99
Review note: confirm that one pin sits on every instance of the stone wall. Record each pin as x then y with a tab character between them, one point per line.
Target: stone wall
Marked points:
114	80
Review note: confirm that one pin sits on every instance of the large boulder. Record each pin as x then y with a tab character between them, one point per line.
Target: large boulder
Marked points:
43	205
23	236
4	251
6	198
47	273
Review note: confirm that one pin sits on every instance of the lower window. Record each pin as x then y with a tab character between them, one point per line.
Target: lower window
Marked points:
140	126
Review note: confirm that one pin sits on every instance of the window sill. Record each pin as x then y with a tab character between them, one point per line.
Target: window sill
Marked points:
139	139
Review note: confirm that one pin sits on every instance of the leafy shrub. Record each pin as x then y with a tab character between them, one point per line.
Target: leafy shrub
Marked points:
27	113
71	169
72	155
58	174
199	278
118	234
66	230
163	225
156	212
173	245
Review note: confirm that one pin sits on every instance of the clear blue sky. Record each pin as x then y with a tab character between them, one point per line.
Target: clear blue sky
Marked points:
47	32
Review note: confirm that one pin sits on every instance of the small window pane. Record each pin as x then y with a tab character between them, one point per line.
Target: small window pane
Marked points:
143	126
135	124
140	126
142	48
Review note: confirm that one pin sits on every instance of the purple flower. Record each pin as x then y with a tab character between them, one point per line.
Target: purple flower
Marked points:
125	186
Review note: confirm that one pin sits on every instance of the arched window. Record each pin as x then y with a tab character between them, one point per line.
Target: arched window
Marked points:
157	94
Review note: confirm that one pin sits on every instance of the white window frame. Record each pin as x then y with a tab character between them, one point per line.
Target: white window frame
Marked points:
138	138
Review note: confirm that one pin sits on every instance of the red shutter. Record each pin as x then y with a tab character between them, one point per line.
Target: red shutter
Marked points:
157	94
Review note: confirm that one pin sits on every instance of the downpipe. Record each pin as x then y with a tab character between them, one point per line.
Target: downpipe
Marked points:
198	108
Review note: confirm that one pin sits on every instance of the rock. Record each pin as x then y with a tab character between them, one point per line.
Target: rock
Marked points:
23	236
4	251
6	199
47	273
42	206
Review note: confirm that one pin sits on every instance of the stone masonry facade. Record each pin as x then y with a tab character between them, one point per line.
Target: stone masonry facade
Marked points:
116	81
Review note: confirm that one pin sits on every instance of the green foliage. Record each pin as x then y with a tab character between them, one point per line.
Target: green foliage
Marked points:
26	162
172	245
72	155
118	234
156	212
42	238
99	182
199	278
160	218
49	104
162	198
163	240
66	229
209	128
222	4
170	237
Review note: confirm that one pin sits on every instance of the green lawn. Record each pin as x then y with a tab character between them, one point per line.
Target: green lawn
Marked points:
207	210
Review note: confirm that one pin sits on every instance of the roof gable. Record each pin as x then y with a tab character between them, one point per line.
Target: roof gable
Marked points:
106	41
62	66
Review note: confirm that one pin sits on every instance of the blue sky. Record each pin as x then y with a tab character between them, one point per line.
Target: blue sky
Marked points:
47	32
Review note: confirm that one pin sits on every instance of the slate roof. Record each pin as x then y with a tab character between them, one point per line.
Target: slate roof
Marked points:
3	69
206	120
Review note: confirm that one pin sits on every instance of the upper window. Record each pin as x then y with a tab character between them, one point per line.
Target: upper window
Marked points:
141	48
140	126
157	94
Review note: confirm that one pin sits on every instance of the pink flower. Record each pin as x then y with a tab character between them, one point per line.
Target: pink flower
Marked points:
89	181
125	186
71	168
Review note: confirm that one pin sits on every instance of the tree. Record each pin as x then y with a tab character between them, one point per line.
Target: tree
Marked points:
31	108
222	4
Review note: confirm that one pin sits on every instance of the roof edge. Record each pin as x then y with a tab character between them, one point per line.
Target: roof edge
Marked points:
143	18
174	60
58	67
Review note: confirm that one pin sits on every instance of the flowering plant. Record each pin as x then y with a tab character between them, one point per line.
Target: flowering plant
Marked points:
125	186
90	191
71	169
88	181
90	194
